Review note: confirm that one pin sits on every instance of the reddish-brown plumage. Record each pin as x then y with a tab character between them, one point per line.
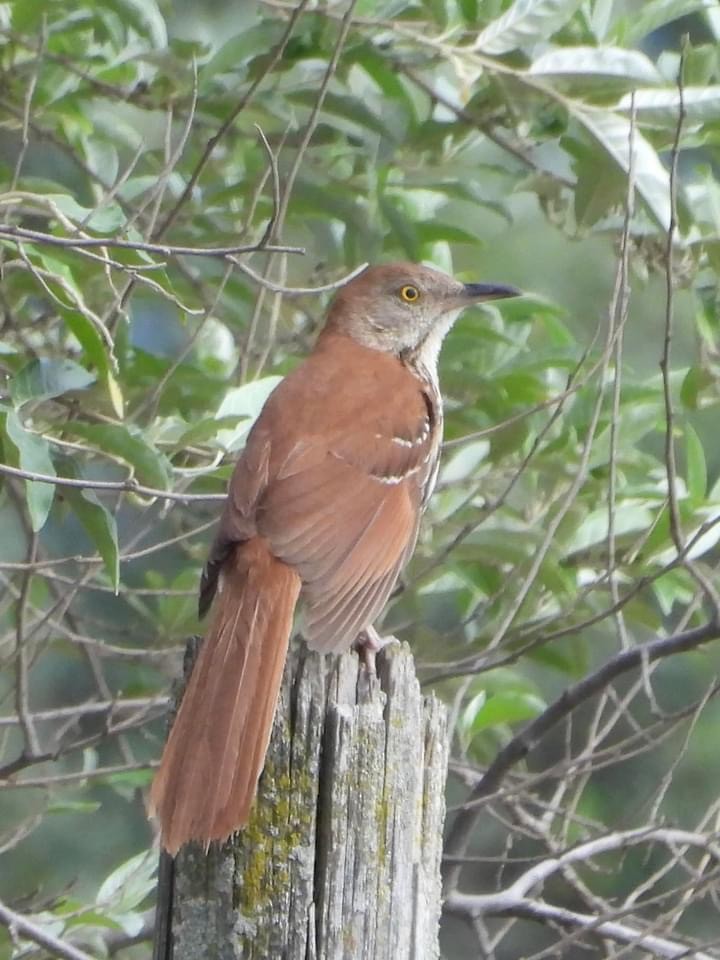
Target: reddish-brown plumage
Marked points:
325	503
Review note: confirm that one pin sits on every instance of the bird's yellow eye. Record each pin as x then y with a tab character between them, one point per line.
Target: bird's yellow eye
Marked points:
409	293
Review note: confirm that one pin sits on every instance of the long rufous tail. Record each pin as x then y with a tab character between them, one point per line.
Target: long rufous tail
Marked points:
208	775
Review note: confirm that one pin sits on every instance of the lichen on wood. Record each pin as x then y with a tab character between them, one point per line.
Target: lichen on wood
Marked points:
341	858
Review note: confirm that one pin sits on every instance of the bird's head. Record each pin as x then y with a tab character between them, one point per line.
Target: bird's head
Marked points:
406	308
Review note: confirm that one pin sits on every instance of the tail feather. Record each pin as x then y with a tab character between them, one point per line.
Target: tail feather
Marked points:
208	774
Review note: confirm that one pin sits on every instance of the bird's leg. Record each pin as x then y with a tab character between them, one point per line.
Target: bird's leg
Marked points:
368	643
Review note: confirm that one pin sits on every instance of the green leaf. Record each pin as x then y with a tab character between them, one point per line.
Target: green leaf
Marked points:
630	65
350	111
239	50
651	14
73	806
627	518
660	108
209	428
150	466
128	885
696	381
612	132
509	707
34	454
402	228
101	527
432	231
525	22
94	347
463	462
145	17
244	403
696	467
42	379
106	219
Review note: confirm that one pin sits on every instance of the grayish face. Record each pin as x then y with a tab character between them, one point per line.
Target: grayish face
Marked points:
397	307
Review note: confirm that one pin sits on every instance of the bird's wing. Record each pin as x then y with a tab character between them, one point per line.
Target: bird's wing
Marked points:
237	522
344	513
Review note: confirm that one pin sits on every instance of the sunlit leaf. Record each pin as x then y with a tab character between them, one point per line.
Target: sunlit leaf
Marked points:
105	219
461	463
630	65
509	707
244	403
661	108
44	378
34	456
525	21
696	467
129	885
652	14
651	178
149	465
101	526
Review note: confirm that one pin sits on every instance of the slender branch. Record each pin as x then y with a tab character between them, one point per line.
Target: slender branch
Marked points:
230	120
9	231
117	940
22	660
126	486
78	776
670	464
18	925
88	709
269	231
296	291
676	530
472	907
521	745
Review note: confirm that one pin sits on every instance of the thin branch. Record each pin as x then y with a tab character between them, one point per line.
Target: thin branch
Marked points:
9	231
676	530
618	317
289	186
296	291
275	174
88	709
22	661
124	486
527	739
670	464
78	776
472	907
230	120
21	926
9	770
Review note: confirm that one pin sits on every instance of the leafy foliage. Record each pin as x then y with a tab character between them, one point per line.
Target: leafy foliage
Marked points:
532	142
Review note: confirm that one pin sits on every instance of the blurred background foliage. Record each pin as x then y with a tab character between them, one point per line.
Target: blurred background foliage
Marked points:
490	139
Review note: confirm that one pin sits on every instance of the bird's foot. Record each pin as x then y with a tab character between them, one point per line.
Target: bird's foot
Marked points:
368	643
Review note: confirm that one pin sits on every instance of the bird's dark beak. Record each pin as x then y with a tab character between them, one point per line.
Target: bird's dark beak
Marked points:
478	292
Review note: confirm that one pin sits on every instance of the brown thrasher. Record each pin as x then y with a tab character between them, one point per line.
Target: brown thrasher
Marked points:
325	503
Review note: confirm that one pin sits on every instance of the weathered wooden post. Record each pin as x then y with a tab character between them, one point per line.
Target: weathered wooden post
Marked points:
341	858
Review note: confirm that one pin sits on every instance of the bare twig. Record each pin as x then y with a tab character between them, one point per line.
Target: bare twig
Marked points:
296	291
9	231
93	707
22	660
676	530
230	120
275	174
124	486
20	926
522	743
474	906
77	776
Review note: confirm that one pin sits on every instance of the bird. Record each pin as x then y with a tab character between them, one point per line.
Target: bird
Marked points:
324	507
